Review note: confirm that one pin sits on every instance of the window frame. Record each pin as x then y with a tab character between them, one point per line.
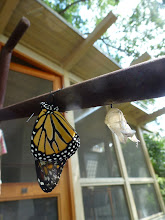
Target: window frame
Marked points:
124	180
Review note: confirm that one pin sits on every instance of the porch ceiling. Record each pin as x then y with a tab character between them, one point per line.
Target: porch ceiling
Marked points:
52	37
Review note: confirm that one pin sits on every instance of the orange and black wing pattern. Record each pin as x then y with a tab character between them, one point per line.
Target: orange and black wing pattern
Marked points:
48	174
53	141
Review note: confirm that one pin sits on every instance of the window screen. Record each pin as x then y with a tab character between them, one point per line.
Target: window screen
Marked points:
105	203
135	160
97	155
31	209
145	199
18	163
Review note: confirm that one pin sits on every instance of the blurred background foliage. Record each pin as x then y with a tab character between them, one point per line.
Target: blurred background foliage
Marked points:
156	148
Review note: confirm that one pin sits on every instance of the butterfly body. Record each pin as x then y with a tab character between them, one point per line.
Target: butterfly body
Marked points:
53	141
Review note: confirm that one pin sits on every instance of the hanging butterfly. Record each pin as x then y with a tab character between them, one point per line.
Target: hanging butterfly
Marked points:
53	141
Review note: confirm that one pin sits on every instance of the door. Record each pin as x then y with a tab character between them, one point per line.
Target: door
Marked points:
21	196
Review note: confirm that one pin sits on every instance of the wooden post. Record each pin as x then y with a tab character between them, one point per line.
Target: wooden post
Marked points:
127	185
6	53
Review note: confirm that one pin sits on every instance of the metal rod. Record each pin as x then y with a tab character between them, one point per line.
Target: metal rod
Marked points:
5	58
142	81
6	53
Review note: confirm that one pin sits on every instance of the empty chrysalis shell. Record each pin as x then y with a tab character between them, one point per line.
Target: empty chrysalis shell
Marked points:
117	124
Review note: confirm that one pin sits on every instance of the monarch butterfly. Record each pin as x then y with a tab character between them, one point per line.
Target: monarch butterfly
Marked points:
53	141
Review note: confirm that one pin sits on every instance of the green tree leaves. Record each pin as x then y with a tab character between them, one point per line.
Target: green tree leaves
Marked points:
142	31
156	148
69	9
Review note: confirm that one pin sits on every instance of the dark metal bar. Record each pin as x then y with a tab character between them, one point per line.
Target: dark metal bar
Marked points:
5	58
6	53
142	81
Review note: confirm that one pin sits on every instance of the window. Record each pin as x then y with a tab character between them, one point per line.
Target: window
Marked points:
145	199
117	180
30	209
97	145
18	160
105	202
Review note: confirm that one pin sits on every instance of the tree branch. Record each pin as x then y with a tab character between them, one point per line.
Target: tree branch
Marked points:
114	47
70	5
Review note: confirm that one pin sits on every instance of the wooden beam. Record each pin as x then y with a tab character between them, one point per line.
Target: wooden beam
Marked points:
139	82
5	55
151	117
144	57
82	48
6	13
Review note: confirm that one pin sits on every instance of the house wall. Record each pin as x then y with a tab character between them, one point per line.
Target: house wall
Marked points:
68	77
76	181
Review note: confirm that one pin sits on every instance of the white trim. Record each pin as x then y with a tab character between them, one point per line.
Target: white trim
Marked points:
101	181
75	79
78	198
127	186
113	181
154	216
141	180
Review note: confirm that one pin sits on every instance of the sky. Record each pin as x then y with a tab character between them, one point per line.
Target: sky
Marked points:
127	10
124	8
159	102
